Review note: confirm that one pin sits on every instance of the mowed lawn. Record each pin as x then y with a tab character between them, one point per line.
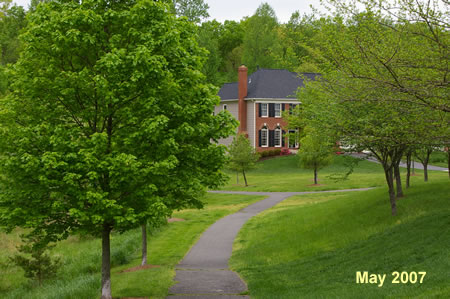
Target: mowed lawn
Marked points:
79	277
311	246
282	174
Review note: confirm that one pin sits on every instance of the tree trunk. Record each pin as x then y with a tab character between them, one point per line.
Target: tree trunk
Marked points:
237	177
398	180
106	263
390	181
448	161
144	244
245	179
315	176
408	168
425	158
413	168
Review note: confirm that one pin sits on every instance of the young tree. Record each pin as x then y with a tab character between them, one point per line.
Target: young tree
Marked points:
243	156
34	259
110	121
316	151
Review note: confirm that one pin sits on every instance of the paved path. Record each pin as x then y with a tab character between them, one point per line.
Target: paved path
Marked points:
417	165
204	272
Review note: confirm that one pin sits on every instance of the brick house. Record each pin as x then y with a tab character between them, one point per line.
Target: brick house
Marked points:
258	102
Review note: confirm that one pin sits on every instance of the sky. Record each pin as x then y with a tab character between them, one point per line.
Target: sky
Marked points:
222	10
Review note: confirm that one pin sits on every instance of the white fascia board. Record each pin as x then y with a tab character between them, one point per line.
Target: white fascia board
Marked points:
270	100
229	100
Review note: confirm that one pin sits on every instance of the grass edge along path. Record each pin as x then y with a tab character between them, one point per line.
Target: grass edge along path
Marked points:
311	246
79	276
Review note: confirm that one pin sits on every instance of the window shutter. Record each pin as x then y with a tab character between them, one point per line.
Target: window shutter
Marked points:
271	138
259	114
271	110
282	107
259	132
282	138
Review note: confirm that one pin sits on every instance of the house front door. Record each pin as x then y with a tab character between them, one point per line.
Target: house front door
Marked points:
293	139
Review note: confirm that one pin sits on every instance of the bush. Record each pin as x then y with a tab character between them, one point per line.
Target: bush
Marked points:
276	152
264	154
285	152
438	157
270	153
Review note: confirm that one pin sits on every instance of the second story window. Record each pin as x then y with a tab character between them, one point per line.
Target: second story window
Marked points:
264	110
277	110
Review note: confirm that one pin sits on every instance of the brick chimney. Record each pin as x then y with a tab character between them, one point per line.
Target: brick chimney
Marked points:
242	94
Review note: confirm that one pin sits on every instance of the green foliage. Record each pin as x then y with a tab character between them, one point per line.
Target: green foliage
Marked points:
270	153
34	259
260	38
194	10
243	156
105	120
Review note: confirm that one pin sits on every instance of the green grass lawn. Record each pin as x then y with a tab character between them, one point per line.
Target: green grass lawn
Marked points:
311	246
79	276
283	174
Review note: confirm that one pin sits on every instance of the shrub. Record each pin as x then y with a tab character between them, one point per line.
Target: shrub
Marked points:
276	152
285	152
264	154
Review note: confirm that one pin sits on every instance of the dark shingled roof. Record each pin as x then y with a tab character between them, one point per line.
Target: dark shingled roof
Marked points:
268	83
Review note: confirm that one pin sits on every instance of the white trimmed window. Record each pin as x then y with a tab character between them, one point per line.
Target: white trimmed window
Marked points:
225	107
277	136
278	110
264	137
264	110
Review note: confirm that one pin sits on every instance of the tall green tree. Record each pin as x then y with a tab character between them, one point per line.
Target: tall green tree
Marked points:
194	10
260	38
243	156
12	21
316	151
110	123
231	49
209	34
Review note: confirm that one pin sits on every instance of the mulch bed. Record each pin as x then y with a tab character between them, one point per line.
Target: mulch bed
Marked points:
315	185
170	220
137	268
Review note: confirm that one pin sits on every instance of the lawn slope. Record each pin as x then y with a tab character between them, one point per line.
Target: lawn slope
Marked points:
311	246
